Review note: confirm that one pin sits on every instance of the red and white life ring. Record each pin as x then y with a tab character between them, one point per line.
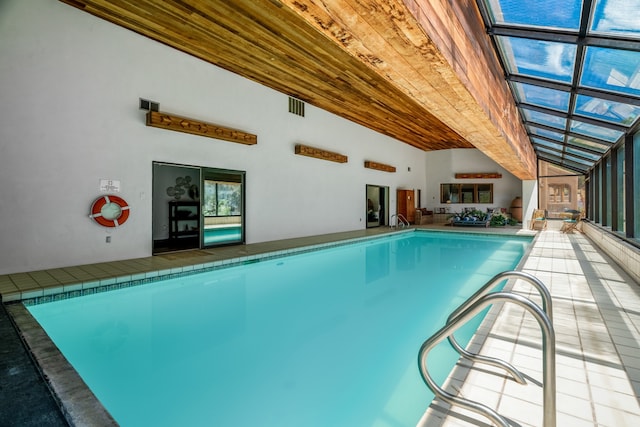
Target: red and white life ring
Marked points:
110	211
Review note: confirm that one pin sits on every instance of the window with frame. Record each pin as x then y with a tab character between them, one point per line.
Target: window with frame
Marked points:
561	191
222	198
466	193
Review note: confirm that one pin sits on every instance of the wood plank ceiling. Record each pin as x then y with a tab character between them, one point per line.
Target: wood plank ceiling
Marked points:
369	61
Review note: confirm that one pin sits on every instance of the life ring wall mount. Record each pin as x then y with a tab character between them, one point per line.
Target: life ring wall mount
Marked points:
110	211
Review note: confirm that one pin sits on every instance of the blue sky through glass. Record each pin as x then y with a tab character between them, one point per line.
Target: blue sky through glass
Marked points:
563	14
583	153
585	143
578	160
612	69
611	111
542	96
538	58
545	119
593	131
539	41
544	143
621	17
546	133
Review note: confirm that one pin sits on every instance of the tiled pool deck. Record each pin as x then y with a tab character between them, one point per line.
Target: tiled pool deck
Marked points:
596	320
596	317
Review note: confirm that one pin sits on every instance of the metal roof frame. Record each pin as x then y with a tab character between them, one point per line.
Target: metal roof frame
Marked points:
581	38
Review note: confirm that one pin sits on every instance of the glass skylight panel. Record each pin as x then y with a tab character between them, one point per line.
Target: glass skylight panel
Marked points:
558	14
616	17
584	162
546	150
609	63
575	166
611	111
612	69
538	58
585	143
551	158
545	133
541	96
594	131
548	144
586	154
544	119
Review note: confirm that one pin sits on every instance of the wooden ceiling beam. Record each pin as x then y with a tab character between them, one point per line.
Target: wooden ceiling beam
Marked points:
270	44
463	88
370	61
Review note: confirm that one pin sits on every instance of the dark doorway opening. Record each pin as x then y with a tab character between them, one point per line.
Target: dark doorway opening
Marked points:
377	205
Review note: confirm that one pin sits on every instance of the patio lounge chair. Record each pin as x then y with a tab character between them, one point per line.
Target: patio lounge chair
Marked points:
538	220
568	225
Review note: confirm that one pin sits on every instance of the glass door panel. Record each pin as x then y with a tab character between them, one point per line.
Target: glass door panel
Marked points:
222	207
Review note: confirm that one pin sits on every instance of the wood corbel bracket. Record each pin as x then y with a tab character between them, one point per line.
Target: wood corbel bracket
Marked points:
182	124
379	166
318	153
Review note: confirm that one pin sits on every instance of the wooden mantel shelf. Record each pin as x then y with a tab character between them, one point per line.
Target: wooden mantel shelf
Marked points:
478	175
318	153
195	127
379	166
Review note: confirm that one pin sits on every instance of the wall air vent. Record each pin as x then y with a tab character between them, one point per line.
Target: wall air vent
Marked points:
296	107
147	105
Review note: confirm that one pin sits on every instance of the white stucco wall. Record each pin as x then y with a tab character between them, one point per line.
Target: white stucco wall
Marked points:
70	85
443	165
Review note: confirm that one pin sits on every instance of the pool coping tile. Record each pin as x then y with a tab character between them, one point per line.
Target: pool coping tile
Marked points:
75	398
548	245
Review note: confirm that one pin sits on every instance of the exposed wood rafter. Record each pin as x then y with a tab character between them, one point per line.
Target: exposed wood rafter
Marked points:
415	70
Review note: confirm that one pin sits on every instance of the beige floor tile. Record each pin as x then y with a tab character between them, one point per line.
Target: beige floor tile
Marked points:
611	417
572	420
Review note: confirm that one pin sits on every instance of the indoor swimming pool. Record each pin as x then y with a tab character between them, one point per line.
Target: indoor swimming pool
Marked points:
323	338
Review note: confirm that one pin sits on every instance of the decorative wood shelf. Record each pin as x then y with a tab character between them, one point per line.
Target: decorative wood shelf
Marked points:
318	153
477	175
183	124
379	166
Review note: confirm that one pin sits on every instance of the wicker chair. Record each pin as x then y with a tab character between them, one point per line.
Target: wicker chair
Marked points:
424	216
538	220
568	225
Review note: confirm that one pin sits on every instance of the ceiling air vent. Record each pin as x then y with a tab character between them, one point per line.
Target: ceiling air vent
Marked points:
296	106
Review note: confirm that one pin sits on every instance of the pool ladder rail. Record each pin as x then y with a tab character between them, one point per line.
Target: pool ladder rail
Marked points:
469	309
400	221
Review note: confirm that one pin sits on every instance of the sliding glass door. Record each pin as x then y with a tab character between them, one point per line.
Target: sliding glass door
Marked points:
222	207
196	207
377	206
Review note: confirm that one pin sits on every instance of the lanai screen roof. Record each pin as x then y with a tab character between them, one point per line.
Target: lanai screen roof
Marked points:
574	69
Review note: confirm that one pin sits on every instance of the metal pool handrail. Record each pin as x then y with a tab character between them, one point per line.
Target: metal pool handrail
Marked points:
485	289
400	219
548	361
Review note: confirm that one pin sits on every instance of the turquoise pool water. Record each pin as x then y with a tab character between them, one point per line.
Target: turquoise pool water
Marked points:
325	338
216	235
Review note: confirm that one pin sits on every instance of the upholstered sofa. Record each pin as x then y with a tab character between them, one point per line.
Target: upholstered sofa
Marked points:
472	218
423	216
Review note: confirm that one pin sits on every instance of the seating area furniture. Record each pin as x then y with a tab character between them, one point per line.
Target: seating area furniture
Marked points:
568	225
472	218
423	216
538	220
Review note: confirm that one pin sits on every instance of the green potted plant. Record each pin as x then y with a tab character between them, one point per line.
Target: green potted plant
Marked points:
498	220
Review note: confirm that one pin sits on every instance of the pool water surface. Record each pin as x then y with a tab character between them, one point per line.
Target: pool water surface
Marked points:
325	338
222	234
